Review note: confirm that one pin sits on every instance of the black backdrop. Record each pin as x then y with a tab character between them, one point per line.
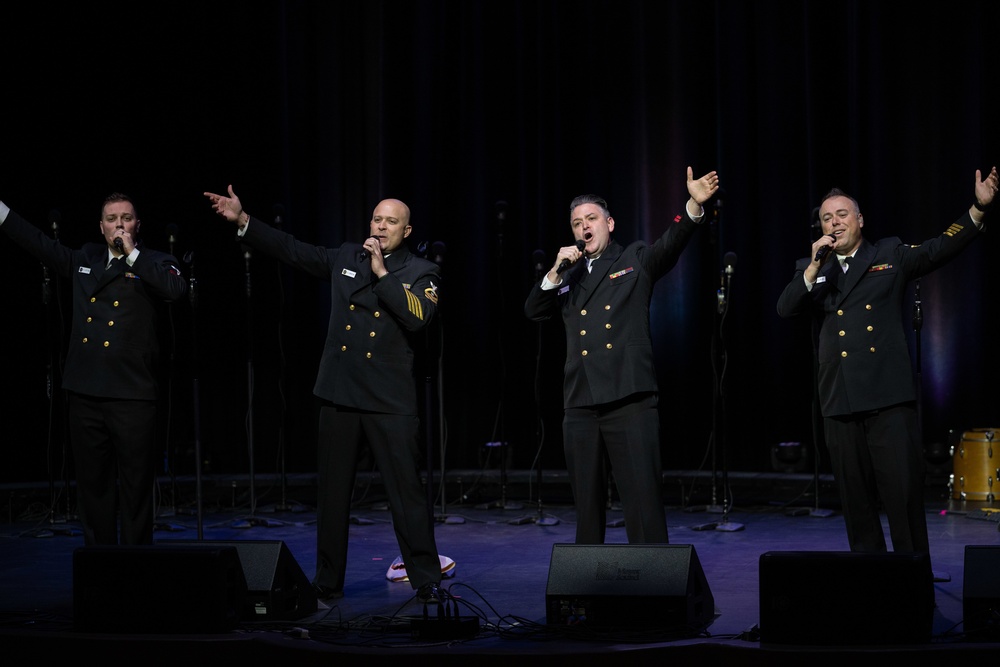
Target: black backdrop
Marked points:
316	110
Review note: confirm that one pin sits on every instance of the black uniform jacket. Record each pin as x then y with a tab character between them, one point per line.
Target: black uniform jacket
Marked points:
114	343
609	350
863	358
376	326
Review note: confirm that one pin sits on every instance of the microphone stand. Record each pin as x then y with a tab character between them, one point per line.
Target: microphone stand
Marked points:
540	519
714	507
170	454
918	322
196	401
501	444
817	417
434	355
721	357
52	381
282	505
170	448
252	519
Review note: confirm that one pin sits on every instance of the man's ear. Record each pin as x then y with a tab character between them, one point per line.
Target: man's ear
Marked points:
407	230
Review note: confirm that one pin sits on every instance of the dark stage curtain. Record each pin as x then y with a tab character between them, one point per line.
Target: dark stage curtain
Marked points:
487	118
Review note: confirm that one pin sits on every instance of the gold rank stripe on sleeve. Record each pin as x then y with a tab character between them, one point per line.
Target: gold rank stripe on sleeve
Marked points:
954	229
414	304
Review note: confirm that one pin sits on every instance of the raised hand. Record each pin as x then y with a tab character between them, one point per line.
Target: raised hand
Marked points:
229	207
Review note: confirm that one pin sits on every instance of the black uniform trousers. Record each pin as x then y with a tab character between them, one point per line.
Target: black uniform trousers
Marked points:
626	434
114	439
883	453
393	441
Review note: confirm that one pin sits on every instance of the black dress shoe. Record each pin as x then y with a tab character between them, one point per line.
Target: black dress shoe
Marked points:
323	593
429	594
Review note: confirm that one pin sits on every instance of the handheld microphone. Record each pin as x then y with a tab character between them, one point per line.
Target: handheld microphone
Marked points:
825	250
364	254
119	244
565	264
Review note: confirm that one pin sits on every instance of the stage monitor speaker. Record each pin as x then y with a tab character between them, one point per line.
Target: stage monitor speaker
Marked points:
277	588
981	593
659	587
152	589
835	598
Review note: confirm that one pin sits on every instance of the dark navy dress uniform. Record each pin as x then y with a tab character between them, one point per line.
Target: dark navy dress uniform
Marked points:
368	391
866	383
610	389
111	377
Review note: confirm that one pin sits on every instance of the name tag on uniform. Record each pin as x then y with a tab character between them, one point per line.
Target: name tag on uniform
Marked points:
820	279
348	273
83	269
563	290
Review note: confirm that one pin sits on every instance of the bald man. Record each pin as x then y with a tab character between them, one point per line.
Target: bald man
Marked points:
382	298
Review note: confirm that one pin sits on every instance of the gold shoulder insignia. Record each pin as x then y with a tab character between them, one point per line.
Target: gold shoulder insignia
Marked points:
431	293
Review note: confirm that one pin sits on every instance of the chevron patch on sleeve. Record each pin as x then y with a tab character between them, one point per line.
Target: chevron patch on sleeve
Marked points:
414	305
